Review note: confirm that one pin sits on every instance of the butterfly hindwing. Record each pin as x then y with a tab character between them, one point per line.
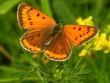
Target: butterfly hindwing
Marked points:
79	34
59	49
34	39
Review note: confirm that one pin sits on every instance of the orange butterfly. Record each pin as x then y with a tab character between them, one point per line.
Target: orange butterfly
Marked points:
45	34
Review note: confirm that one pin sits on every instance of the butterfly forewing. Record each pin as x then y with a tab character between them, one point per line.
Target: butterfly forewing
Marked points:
30	17
79	34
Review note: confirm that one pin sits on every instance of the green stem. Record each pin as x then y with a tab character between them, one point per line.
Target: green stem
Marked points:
78	62
45	4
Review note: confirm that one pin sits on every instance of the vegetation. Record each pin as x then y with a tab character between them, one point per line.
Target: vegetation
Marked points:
87	64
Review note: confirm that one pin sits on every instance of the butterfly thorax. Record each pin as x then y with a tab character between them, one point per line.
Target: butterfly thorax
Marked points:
57	29
54	33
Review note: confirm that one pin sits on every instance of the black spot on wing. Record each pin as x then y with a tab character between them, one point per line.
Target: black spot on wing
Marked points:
43	17
83	33
28	15
29	18
76	38
38	14
31	23
79	28
80	35
74	28
31	8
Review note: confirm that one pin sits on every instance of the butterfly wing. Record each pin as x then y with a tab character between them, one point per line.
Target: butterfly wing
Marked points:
79	34
39	25
29	17
59	49
34	39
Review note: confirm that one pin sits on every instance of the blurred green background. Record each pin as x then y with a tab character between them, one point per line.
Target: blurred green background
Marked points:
65	11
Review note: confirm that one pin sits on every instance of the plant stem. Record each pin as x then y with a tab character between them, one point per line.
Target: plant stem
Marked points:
78	62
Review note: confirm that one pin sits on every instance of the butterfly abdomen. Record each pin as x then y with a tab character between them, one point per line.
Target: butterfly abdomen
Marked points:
54	33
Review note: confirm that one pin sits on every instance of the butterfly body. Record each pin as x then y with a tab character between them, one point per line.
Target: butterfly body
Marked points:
57	29
46	35
54	33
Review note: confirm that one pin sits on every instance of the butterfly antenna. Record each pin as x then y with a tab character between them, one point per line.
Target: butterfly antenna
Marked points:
58	15
73	19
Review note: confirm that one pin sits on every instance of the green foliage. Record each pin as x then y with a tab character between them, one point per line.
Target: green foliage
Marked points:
17	65
49	74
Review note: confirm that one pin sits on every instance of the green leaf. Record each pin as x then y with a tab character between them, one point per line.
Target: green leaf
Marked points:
27	58
21	75
43	67
17	74
26	73
20	64
81	77
46	7
38	73
6	5
64	13
84	71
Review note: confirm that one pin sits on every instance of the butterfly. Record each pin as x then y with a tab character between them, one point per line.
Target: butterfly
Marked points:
44	34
